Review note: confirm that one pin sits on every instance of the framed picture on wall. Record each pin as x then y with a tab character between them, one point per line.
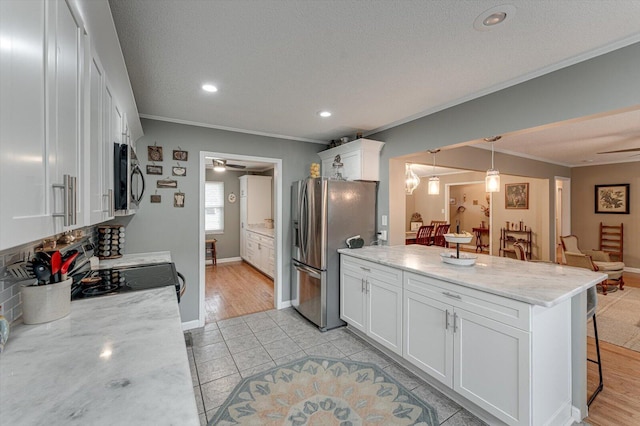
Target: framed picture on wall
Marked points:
516	195
415	226
612	198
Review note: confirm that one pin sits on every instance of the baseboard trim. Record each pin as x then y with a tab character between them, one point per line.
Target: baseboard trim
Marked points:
225	260
283	305
189	325
633	270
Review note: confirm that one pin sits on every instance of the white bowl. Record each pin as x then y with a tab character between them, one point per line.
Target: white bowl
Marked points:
452	238
463	260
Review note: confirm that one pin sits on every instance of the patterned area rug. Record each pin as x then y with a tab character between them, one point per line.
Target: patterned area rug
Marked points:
618	316
323	391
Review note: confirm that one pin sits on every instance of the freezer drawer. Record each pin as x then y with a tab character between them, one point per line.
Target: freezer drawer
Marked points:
311	293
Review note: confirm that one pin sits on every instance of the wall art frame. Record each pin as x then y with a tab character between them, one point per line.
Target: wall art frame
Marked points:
612	199
154	170
180	155
516	196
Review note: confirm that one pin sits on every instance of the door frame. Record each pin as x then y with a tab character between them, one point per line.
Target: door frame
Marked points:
562	212
277	190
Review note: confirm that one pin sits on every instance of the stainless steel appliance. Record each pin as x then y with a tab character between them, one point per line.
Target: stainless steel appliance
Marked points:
103	282
128	180
324	214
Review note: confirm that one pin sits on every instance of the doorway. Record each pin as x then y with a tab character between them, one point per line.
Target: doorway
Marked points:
469	207
562	214
236	265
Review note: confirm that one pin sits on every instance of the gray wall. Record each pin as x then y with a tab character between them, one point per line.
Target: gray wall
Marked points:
159	227
228	243
605	83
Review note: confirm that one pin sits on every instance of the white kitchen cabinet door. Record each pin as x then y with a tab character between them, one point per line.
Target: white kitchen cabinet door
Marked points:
491	366
258	193
384	311
428	339
353	298
24	167
111	123
64	92
95	141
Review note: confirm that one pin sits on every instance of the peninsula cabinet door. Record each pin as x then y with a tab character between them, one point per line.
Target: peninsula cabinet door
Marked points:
428	335
491	366
384	312
352	298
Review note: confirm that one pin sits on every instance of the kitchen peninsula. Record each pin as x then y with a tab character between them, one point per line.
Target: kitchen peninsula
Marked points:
504	338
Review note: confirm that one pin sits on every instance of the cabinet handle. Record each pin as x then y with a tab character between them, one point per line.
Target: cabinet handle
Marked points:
74	201
362	285
365	269
66	200
455	296
446	319
367	286
455	318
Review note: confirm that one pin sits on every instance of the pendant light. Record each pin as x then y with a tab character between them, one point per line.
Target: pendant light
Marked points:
411	180
492	181
434	181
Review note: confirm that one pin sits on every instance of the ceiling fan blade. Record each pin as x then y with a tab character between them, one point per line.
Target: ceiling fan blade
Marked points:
236	166
620	150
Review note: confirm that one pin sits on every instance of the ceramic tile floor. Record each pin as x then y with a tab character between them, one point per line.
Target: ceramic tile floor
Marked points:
223	353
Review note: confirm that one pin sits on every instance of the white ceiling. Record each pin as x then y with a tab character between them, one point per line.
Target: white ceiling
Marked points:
373	64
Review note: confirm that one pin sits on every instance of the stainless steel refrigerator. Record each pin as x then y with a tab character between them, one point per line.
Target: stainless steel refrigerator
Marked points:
324	214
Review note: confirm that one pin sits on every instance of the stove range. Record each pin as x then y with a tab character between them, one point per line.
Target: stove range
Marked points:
87	283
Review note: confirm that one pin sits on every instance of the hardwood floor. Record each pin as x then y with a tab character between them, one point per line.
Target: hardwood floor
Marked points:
619	401
234	289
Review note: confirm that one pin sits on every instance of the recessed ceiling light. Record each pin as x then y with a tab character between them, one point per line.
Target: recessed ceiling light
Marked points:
324	114
493	17
209	88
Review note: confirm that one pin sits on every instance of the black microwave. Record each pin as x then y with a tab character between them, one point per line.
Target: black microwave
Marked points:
128	182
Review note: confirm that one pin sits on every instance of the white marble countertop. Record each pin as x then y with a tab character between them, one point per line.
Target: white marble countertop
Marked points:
114	360
268	232
536	283
136	259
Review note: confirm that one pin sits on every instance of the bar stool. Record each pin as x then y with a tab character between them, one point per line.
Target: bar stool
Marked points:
592	303
210	247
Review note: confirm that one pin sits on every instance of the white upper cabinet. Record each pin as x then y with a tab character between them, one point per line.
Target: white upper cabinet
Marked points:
64	114
58	121
24	167
360	160
95	137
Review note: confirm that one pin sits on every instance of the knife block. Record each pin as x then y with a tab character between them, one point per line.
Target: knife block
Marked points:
45	303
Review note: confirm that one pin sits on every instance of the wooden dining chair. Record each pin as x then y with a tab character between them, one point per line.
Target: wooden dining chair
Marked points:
438	236
425	235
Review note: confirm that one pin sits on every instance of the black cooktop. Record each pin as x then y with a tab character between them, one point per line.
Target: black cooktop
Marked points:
105	282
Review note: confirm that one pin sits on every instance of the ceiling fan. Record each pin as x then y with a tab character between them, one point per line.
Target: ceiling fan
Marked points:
220	165
621	150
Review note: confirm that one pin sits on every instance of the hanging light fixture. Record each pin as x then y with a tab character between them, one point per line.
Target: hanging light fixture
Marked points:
434	181
492	181
411	180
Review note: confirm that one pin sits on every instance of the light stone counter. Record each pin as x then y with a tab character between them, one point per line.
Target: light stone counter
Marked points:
536	283
136	259
115	360
267	232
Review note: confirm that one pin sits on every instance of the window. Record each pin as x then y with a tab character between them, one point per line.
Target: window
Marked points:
214	206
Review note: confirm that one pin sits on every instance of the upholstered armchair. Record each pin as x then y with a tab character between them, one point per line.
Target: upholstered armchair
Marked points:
599	259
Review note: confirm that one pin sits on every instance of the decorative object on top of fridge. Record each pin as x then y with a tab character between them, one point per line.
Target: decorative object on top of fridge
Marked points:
314	170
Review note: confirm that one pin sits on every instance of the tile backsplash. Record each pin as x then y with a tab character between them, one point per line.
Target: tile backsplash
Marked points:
10	285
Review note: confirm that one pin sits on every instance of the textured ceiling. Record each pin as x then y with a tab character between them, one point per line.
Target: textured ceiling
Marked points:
373	64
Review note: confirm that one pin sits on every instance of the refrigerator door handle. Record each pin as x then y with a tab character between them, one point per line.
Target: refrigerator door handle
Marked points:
304	268
303	221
